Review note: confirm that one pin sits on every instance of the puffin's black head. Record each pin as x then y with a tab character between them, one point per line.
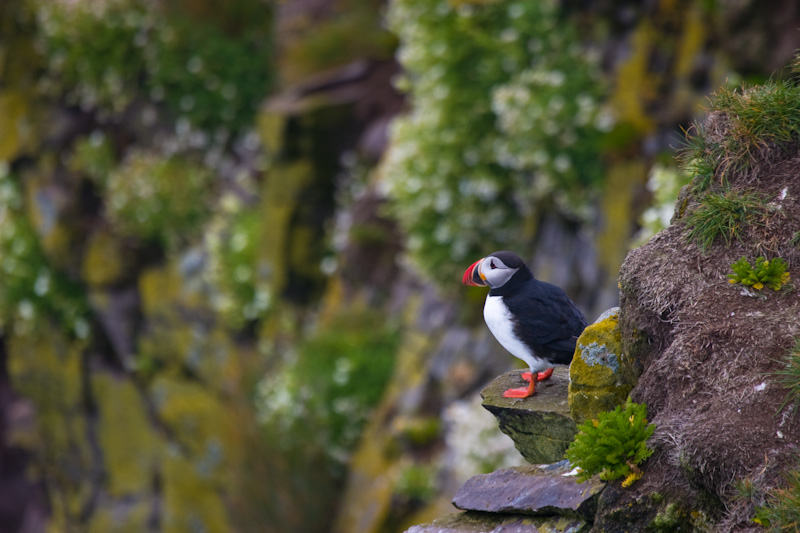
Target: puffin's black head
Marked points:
493	270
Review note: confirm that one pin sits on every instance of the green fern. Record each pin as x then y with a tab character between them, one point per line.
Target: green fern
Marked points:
613	445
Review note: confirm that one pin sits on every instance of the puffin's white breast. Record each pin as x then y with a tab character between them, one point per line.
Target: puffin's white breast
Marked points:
500	322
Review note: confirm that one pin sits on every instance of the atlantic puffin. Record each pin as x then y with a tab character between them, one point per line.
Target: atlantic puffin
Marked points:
534	320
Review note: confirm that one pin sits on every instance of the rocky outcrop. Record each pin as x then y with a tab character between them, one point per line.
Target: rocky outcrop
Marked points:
472	522
543	490
540	426
522	499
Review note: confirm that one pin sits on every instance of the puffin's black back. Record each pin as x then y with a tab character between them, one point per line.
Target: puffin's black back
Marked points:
545	319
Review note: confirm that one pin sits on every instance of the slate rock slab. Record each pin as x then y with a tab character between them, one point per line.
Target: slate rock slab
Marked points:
473	522
531	490
540	426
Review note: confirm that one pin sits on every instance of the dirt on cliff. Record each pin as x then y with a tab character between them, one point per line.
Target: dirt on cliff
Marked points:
708	351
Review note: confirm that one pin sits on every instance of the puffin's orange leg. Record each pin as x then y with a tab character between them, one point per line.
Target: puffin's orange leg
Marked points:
541	376
522	392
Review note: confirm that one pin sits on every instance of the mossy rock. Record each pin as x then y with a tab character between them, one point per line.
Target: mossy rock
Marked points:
123	517
197	420
597	381
473	522
104	261
540	426
46	367
192	502
129	442
14	108
180	330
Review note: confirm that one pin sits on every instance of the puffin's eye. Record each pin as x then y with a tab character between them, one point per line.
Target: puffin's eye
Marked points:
492	265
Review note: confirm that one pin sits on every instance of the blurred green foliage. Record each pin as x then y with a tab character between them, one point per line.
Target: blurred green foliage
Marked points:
32	290
506	113
330	388
162	200
104	55
232	241
417	482
93	51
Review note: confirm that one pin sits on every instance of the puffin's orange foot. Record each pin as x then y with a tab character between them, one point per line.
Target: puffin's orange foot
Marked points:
522	392
540	376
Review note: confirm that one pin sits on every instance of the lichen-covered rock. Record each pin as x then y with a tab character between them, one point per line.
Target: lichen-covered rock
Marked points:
130	446
474	522
123	516
197	463
117	311
192	501
104	261
48	371
531	490
597	381
540	426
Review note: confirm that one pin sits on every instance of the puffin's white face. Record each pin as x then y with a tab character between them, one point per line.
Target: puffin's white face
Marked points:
494	272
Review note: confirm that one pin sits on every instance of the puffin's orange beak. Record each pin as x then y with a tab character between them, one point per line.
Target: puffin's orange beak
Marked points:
472	275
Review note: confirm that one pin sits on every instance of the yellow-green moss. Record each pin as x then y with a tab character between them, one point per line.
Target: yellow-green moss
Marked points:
125	518
617	202
128	440
171	342
104	260
197	420
192	502
14	108
271	128
281	196
635	86
50	209
48	371
375	464
596	377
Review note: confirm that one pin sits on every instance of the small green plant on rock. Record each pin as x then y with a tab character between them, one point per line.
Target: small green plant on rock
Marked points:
763	273
613	445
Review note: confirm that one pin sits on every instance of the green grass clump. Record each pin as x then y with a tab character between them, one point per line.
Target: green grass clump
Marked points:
723	215
762	274
613	445
756	119
781	512
789	376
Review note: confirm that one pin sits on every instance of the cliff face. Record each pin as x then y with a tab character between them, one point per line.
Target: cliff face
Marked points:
183	234
709	349
709	339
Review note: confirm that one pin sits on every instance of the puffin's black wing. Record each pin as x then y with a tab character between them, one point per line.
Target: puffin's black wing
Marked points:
546	320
